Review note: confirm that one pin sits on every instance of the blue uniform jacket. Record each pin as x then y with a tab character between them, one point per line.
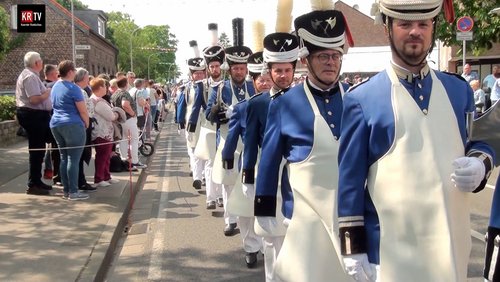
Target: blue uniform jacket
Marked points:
180	117
289	134
257	109
368	133
237	126
226	98
199	103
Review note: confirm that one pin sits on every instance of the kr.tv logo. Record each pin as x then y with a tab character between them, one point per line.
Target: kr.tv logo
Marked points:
30	18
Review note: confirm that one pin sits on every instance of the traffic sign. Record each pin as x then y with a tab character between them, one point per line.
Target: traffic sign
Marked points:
82	47
465	24
464	35
79	56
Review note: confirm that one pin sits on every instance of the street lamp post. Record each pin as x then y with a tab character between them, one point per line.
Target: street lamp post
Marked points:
131	57
148	62
72	33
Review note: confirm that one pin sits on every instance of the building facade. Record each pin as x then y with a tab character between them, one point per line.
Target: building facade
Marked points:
94	52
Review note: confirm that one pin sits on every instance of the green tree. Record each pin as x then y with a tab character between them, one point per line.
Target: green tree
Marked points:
77	5
224	40
4	32
486	26
155	43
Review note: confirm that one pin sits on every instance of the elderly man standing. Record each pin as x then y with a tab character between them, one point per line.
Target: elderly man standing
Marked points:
33	113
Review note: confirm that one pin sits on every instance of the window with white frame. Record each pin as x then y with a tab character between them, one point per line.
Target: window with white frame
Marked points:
101	27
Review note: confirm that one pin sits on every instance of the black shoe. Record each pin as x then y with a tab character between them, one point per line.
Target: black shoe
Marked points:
211	205
87	187
220	202
251	259
37	190
44	186
230	229
56	179
197	184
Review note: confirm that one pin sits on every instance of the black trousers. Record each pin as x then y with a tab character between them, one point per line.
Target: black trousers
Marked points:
36	124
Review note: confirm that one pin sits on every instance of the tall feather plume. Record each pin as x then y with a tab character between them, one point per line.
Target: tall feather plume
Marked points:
258	29
193	44
284	16
321	5
214	34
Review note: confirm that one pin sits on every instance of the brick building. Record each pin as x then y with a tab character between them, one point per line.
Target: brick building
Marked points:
98	55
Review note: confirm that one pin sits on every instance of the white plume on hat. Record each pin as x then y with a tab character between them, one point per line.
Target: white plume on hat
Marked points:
258	29
322	5
214	34
284	16
196	51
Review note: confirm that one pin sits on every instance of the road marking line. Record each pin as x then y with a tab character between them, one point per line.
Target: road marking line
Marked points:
155	262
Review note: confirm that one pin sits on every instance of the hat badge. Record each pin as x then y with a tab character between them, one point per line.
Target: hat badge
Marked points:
288	42
258	60
276	41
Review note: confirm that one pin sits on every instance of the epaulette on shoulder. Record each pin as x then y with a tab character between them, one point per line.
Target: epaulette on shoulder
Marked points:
281	92
355	86
256	95
454	74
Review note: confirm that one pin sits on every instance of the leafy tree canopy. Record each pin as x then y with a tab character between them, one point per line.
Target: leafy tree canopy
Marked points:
486	28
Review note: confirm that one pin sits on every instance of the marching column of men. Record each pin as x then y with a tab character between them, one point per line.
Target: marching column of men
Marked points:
307	171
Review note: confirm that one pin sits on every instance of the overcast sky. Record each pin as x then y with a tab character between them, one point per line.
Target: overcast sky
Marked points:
188	19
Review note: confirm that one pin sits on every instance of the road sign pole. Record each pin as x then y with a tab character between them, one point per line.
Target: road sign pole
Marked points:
463	52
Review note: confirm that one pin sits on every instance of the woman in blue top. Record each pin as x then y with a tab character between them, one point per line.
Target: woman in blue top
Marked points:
68	124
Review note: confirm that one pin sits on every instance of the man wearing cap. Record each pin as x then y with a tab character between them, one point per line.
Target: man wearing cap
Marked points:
278	63
303	126
218	111
185	111
238	204
396	168
205	147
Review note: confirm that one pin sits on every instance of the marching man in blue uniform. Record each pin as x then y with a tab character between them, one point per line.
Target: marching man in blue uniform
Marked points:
218	111
303	126
406	169
186	114
205	147
238	204
281	51
492	263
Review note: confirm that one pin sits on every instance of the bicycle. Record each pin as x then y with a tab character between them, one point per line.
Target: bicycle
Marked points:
145	148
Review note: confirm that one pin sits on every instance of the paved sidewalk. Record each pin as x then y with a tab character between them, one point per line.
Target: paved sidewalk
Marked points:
47	238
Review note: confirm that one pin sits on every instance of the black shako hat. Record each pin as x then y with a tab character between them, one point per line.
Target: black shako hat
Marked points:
281	47
255	63
322	29
237	55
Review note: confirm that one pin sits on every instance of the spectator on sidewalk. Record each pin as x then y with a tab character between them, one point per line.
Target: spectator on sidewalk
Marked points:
68	124
468	75
52	157
479	96
82	80
102	134
33	113
122	99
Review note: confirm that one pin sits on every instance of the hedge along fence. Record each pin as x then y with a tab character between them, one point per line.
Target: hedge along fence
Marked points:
7	108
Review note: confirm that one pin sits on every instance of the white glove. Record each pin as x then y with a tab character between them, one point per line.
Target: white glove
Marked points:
181	132
248	190
468	174
229	112
286	222
190	136
268	224
358	267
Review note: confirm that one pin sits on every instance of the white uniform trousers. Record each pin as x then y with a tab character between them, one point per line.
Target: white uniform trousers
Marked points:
272	247
197	165
251	242
130	126
214	190
226	191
